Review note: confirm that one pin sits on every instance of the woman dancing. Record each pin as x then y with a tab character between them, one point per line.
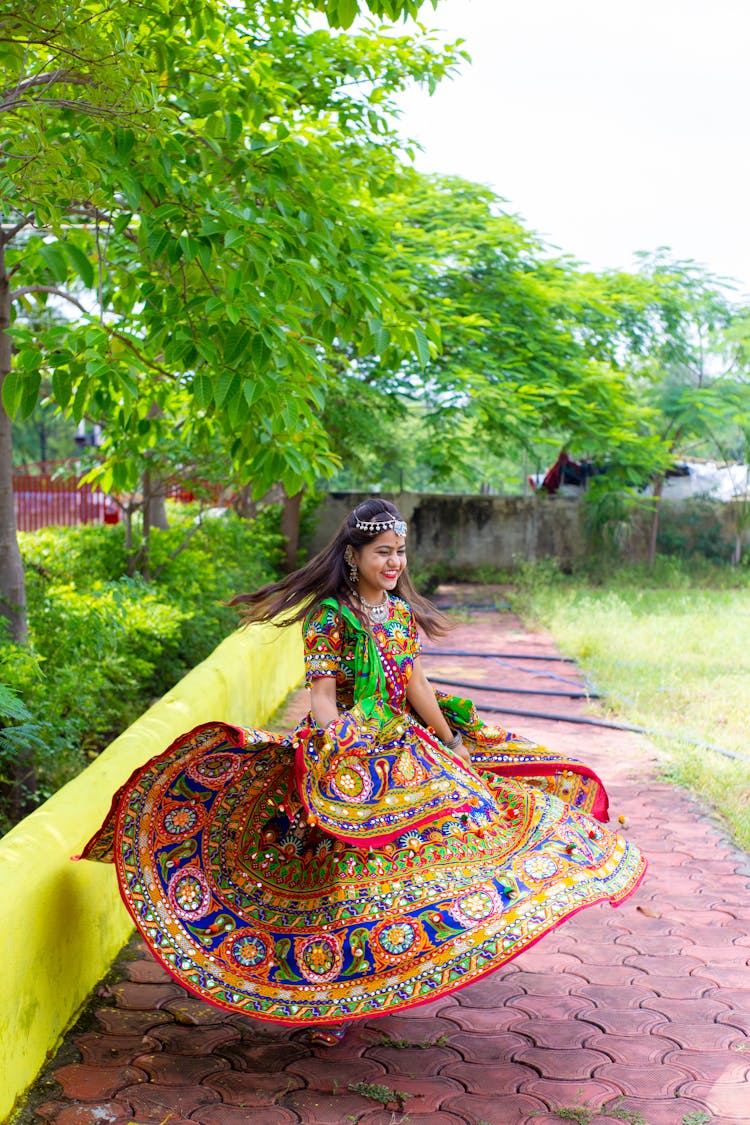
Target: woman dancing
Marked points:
389	850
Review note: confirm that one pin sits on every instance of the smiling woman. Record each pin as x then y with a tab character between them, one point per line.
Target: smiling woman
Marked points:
390	849
376	568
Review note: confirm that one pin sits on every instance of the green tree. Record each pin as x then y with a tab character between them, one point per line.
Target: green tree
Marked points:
342	13
513	348
191	190
695	372
63	64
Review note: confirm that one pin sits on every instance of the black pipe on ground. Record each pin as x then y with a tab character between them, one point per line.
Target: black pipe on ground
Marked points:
513	690
586	720
496	655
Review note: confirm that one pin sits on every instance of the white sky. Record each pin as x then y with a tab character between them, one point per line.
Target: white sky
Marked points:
609	126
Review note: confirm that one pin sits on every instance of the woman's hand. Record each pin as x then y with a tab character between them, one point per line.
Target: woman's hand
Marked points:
462	752
456	746
421	696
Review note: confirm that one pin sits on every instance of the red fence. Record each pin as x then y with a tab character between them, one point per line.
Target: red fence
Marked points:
49	494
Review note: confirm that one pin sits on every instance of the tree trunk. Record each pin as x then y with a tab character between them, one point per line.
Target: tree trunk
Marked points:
157	505
653	534
290	529
12	584
154	492
144	563
42	441
127	516
243	503
740	511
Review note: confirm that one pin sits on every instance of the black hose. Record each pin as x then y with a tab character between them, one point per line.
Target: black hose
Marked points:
515	690
585	720
546	675
495	655
445	606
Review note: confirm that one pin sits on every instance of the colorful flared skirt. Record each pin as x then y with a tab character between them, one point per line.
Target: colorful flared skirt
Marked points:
289	884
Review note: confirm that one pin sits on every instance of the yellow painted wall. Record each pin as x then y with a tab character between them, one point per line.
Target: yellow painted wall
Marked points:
62	923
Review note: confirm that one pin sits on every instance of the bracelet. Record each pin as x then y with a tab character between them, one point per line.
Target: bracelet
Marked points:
455	742
328	732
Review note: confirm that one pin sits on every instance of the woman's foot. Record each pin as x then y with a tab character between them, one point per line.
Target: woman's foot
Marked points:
328	1035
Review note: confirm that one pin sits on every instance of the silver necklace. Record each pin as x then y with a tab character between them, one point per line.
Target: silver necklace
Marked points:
378	612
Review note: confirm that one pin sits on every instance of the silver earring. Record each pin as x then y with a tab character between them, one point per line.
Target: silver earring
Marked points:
351	563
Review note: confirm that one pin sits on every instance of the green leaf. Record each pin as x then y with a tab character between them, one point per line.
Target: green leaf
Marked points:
208	105
236	344
252	390
260	352
233	236
422	346
227	387
317	394
232	127
12	392
122	222
32	382
343	12
190	246
62	386
81	264
79	401
203	389
55	259
207	350
129	383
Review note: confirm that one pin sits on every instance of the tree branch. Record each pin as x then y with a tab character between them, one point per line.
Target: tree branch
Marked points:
48	79
88	108
26	289
111	332
181	546
8	235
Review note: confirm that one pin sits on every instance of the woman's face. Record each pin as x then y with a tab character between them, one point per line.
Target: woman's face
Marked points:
380	562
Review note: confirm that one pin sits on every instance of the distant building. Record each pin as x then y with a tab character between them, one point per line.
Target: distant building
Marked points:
689	478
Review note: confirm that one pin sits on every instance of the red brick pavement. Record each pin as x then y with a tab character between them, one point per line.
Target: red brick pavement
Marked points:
640	1014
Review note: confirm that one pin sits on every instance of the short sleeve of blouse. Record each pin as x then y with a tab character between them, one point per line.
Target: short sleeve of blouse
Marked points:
321	634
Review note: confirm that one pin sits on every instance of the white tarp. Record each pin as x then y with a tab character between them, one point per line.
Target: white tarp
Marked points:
710	480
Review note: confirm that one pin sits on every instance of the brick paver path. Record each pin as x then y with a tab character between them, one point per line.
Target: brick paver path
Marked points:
640	1014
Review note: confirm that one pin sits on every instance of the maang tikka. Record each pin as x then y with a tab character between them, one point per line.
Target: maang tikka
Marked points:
351	563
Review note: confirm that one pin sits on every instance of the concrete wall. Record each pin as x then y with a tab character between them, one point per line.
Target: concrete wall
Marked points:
472	531
467	532
62	923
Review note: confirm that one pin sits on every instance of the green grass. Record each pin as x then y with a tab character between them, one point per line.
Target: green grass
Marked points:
377	1093
670	650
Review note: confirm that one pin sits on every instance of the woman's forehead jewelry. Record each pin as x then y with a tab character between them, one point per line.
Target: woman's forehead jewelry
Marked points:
376	526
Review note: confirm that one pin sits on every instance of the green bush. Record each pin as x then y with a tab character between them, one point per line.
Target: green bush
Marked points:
694	530
103	646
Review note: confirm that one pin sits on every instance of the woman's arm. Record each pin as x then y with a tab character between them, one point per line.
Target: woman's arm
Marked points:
323	700
421	696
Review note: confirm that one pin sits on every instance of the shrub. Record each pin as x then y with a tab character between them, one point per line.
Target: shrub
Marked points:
104	646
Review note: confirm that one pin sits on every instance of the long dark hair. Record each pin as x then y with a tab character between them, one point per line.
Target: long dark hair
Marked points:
327	576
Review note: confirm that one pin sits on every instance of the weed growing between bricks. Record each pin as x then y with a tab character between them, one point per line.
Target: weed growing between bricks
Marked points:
377	1093
405	1044
399	1120
585	1114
